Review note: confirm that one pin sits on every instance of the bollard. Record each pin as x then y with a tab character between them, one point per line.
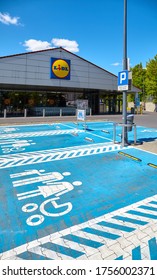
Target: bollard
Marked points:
43	112
90	111
5	113
25	113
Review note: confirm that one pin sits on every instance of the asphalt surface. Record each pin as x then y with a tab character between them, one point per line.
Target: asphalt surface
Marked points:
147	119
63	197
59	199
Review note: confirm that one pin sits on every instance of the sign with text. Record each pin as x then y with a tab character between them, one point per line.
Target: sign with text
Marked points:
59	68
123	80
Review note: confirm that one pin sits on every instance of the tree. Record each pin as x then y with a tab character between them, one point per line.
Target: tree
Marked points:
151	79
139	79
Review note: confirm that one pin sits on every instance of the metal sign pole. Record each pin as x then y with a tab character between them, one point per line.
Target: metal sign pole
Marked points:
125	67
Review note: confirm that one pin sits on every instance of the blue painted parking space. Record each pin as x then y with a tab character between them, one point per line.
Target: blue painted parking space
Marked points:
21	139
54	177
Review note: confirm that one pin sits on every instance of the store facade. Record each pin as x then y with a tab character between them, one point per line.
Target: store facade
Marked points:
50	82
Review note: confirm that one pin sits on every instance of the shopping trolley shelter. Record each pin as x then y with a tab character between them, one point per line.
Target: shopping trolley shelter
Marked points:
60	176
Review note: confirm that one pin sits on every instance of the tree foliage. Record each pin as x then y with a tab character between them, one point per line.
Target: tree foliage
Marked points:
139	78
151	79
146	79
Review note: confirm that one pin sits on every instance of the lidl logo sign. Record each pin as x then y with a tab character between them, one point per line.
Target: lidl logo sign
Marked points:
60	68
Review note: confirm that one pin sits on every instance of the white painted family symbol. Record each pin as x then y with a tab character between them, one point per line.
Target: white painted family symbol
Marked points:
52	186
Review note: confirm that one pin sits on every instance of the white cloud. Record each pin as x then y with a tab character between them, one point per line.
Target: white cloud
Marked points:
116	64
71	46
36	45
7	19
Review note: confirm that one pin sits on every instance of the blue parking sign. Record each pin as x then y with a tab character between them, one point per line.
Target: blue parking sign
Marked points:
123	80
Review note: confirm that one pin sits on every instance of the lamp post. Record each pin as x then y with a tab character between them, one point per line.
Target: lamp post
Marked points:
125	67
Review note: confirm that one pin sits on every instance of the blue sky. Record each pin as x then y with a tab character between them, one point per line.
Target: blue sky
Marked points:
90	29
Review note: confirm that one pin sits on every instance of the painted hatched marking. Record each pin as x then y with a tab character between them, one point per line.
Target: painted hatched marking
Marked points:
153	248
143	253
119	258
136	253
39	133
130	220
108	233
117	226
148	208
33	256
83	241
62	249
90	236
75	245
55	154
50	254
153	202
143	214
101	233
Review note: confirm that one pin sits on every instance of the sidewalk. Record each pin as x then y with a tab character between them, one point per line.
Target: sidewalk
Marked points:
149	146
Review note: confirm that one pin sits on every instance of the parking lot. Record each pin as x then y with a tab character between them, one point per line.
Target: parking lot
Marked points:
68	192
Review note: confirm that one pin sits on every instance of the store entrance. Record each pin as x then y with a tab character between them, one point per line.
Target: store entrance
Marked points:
45	103
111	105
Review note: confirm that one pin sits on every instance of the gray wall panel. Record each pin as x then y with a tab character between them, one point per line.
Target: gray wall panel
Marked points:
34	69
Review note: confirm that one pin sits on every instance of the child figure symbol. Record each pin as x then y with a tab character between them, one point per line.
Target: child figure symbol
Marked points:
53	188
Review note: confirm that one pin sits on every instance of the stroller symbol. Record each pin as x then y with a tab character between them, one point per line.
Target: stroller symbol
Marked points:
55	189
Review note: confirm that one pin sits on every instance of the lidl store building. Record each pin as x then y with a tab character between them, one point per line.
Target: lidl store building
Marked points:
50	82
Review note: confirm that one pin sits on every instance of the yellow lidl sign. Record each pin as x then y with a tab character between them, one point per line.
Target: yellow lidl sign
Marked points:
60	68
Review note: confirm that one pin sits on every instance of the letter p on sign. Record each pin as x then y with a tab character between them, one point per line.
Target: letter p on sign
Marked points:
123	80
122	77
